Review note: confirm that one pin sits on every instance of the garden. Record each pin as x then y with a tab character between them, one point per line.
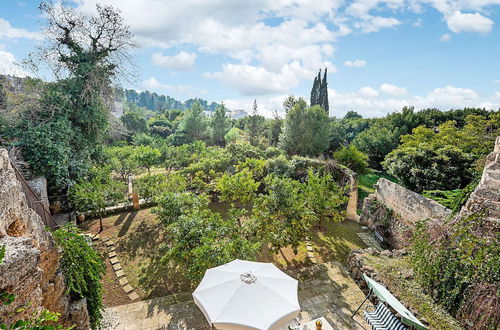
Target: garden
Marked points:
212	205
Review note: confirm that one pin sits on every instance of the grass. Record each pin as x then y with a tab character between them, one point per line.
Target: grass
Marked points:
397	276
336	240
367	181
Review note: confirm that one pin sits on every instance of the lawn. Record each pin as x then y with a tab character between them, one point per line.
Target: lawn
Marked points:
138	234
366	183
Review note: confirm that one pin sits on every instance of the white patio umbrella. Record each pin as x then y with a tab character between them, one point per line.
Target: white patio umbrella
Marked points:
247	295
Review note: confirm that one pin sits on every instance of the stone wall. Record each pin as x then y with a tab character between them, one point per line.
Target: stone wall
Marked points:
486	196
30	269
398	208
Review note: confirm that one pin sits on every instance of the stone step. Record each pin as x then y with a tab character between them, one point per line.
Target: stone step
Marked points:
123	281
127	288
114	260
120	273
117	267
133	296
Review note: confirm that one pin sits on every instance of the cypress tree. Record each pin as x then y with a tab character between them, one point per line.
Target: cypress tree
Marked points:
323	99
313	91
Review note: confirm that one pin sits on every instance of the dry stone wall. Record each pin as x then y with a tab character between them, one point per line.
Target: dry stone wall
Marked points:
486	196
30	269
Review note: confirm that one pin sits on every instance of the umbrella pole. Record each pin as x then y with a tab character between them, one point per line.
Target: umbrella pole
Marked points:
352	316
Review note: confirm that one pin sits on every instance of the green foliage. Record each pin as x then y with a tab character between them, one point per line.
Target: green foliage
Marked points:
255	126
377	141
306	131
39	322
171	205
151	185
194	124
241	151
351	157
239	187
281	215
147	156
234	135
201	239
96	193
144	139
319	92
219	126
280	166
324	198
275	126
134	122
428	168
122	160
450	259
83	269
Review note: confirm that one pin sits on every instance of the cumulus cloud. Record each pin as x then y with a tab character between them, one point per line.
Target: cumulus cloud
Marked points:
392	89
445	37
183	61
7	31
9	65
368	91
153	84
355	63
459	22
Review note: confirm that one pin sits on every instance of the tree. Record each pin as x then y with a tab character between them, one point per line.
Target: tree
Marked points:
240	187
147	156
234	135
351	157
306	131
254	125
150	186
122	160
96	193
324	198
274	129
290	102
319	92
281	214
86	55
219	125
194	124
135	122
427	168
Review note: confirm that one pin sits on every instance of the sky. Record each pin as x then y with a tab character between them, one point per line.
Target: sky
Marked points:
380	55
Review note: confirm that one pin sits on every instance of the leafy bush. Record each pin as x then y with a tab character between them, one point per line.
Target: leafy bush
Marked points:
172	205
83	269
279	166
454	261
237	187
152	185
351	157
425	167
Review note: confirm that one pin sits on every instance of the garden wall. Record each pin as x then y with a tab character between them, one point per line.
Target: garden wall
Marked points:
398	208
486	196
30	269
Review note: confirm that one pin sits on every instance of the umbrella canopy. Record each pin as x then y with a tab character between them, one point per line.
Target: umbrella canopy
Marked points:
384	295
247	295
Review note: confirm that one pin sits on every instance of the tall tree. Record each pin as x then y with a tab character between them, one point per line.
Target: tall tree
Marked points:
323	97
254	125
319	91
219	125
71	120
194	124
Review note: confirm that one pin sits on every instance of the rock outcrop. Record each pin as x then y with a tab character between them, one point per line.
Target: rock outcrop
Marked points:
30	269
486	196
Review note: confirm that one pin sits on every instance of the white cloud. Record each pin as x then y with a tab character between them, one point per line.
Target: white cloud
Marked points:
355	63
497	95
183	61
445	37
459	22
9	66
368	91
255	80
392	90
7	31
153	84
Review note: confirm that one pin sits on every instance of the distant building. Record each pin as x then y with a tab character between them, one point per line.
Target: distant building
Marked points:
237	114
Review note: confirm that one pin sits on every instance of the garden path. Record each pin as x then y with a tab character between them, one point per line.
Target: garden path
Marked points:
324	290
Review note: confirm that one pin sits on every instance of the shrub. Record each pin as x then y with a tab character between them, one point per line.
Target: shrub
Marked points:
455	262
280	166
83	269
351	157
151	185
237	187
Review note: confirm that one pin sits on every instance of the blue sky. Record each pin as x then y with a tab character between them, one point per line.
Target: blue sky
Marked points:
381	55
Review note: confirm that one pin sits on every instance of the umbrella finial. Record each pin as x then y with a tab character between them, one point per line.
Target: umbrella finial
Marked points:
248	277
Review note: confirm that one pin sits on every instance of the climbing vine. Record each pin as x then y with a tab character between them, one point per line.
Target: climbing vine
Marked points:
83	269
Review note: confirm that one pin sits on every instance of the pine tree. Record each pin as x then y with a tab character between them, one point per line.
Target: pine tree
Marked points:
323	99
